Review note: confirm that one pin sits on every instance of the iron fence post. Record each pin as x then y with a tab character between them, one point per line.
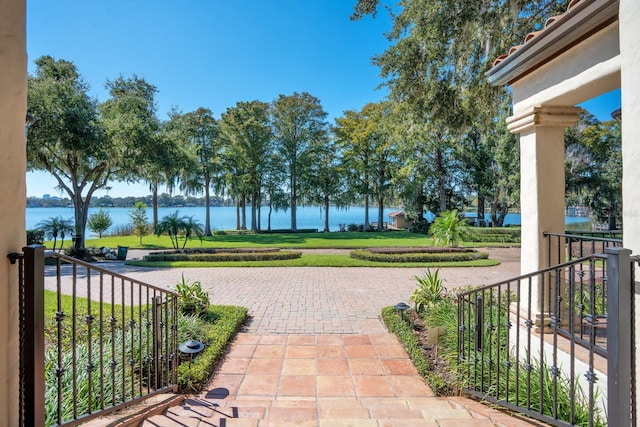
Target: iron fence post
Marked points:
479	322
33	350
619	341
157	342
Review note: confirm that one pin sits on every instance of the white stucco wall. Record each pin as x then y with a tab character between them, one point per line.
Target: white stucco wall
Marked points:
630	75
542	198
13	100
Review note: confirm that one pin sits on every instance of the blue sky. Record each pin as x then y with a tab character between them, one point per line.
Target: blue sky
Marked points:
214	53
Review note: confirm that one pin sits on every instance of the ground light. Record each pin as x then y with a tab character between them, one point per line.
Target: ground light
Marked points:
401	307
191	347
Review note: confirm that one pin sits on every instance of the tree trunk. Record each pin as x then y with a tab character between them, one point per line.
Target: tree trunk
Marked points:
269	216
326	214
154	205
498	214
243	202
259	209
294	205
442	195
207	203
481	219
254	211
238	214
366	212
80	212
380	213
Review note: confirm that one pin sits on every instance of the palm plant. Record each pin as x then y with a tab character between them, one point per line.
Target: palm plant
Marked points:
55	227
192	228
449	229
176	227
172	225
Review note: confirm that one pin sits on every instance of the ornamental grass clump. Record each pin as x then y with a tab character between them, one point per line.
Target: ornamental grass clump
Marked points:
429	292
192	299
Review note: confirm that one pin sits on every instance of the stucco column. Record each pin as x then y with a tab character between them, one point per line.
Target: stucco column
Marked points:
630	79
13	107
542	192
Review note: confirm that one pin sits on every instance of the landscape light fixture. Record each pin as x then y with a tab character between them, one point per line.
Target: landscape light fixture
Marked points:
191	347
401	307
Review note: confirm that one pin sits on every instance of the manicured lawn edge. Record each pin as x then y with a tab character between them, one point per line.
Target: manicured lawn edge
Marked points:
400	328
425	257
192	377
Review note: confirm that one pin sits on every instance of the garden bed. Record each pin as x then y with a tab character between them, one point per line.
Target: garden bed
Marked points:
425	254
222	254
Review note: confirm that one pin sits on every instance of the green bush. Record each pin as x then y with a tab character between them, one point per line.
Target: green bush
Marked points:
226	322
191	298
429	291
288	230
99	222
224	256
367	255
449	228
495	235
35	237
396	324
419	227
412	250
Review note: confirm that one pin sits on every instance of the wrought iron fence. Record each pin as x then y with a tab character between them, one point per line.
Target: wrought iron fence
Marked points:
519	342
572	245
111	341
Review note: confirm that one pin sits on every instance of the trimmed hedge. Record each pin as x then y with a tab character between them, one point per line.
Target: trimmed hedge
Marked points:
367	255
401	329
214	251
496	235
422	250
226	322
224	256
288	230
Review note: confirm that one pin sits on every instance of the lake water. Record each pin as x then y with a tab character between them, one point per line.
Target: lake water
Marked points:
224	218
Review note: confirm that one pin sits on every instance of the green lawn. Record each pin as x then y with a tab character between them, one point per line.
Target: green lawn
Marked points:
291	240
309	260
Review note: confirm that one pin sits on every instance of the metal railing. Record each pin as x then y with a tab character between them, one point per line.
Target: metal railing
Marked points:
111	341
513	350
578	244
570	246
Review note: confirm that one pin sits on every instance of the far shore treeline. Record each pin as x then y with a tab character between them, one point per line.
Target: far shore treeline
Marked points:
164	200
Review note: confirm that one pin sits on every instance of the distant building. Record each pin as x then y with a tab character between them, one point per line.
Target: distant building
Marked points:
399	220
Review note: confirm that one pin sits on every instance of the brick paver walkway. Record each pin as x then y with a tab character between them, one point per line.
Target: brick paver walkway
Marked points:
315	353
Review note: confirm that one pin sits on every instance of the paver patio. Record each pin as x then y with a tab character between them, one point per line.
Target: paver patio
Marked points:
315	353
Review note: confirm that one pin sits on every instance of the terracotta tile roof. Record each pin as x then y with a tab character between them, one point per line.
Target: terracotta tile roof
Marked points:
532	35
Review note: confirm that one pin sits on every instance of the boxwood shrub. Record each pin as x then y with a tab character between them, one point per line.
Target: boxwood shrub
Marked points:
427	249
401	329
288	230
224	322
496	235
224	256
367	255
